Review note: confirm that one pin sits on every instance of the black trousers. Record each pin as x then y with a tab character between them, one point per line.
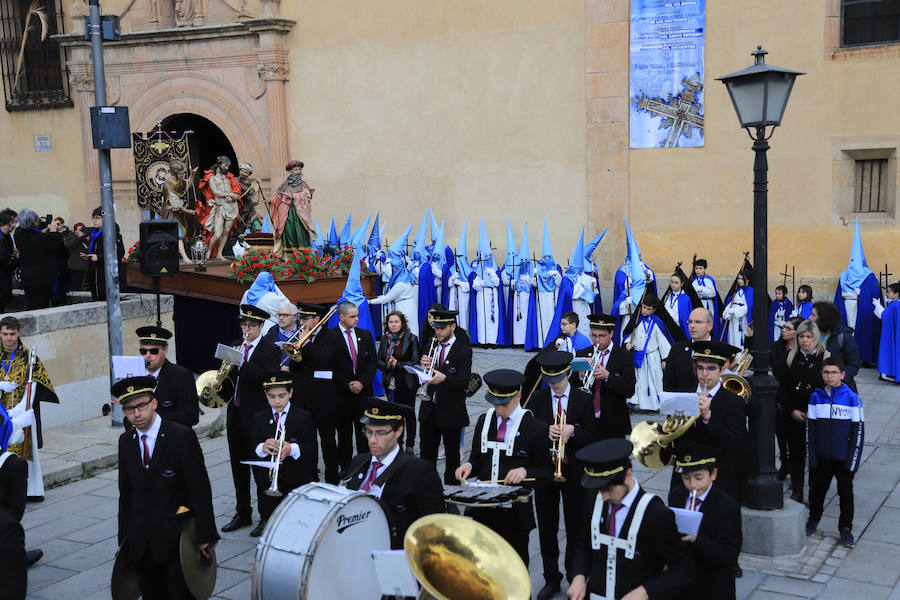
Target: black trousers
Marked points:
504	522
546	501
348	429
325	420
37	296
795	444
430	436
407	397
12	559
820	481
161	581
265	503
240	447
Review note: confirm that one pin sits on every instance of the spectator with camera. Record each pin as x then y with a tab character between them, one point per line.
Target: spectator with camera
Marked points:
38	252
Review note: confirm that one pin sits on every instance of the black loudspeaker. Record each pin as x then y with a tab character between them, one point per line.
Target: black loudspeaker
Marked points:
110	127
159	248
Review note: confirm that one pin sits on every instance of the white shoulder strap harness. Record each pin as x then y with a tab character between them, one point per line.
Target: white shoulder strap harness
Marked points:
4	456
497	447
614	544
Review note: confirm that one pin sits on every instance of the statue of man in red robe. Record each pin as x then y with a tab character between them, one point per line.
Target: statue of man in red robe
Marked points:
220	206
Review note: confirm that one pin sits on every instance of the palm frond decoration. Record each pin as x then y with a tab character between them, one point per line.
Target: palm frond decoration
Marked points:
36	10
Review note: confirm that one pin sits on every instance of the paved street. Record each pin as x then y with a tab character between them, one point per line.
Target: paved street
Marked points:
76	525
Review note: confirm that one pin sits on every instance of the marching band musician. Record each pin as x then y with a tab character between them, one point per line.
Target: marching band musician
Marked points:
509	445
614	378
722	419
316	386
175	391
443	415
408	487
299	457
14	358
569	414
717	544
650	560
161	472
260	356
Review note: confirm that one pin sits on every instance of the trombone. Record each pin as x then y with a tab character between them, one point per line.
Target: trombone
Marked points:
275	462
293	351
558	451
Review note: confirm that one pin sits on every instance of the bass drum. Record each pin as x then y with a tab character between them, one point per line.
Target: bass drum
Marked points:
318	545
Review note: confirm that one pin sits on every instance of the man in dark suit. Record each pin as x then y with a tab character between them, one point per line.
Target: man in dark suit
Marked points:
722	420
7	258
614	378
717	544
161	473
407	486
509	445
288	331
316	390
175	392
294	427
618	510
679	374
13	475
553	405
443	415
353	364
260	356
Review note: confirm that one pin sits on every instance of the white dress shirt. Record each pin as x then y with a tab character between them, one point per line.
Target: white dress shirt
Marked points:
295	448
151	434
700	499
564	399
626	503
385	463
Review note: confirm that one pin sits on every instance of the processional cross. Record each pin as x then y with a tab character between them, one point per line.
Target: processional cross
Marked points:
680	115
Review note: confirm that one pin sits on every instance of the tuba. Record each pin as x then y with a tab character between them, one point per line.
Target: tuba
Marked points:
735	382
211	385
455	558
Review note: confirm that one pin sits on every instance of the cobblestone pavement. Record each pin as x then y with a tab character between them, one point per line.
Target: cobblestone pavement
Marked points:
76	525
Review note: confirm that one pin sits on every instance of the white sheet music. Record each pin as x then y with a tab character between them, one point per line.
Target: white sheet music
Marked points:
393	573
418	372
687	521
128	366
679	403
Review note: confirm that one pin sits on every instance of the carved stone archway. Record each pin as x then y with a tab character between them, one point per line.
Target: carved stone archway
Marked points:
232	74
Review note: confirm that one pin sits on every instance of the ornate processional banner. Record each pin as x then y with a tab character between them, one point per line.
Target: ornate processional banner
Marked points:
152	154
667	73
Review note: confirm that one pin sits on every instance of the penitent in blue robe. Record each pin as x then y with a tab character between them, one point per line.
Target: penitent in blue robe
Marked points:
889	350
788	307
867	328
563	305
427	295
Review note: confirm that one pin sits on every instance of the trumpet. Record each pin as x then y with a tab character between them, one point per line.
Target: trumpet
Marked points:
558	451
589	378
422	394
276	463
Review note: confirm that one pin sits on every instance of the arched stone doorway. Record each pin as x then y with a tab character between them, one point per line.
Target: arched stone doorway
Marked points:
206	143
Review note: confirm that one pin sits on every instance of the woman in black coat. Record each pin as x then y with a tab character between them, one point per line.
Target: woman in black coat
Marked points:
778	352
802	376
399	348
38	256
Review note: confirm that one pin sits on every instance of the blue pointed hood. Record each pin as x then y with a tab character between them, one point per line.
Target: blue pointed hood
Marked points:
546	248
358	239
525	254
397	257
576	263
344	236
332	241
635	267
485	253
592	245
419	253
381	231
438	256
857	269
318	244
374	243
511	262
461	264
353	289
435	230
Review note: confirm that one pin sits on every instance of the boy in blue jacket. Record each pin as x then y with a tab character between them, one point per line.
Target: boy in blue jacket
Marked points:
834	431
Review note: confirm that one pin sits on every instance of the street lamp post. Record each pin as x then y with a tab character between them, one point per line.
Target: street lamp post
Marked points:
760	94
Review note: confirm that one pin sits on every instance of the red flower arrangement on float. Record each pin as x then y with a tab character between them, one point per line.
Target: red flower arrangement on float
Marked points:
298	263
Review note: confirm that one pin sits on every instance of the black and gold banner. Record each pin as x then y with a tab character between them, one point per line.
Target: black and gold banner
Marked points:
152	154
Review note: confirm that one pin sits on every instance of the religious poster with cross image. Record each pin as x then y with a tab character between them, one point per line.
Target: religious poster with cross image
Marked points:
667	73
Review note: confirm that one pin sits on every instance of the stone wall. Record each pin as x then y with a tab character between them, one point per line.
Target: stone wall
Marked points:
72	343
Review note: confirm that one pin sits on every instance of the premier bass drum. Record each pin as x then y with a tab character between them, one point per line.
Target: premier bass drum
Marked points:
318	545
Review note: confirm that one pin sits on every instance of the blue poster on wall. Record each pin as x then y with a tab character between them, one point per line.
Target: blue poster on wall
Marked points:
667	73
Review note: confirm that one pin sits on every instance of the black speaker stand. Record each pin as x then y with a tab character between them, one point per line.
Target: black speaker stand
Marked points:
158	308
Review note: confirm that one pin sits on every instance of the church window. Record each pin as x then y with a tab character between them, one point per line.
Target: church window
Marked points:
34	72
870	22
871	183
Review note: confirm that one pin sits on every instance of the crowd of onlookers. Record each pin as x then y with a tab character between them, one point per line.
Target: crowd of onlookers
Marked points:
48	260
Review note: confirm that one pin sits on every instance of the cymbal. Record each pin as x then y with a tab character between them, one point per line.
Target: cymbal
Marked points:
199	572
124	584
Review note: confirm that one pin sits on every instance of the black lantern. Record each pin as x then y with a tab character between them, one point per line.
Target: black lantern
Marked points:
760	92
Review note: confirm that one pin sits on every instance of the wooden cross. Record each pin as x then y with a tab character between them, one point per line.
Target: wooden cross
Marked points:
785	274
887	278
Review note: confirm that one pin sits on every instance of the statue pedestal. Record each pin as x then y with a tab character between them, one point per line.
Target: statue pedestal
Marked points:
774	532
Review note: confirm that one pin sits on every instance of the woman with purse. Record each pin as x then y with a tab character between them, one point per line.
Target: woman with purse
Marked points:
399	348
802	377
